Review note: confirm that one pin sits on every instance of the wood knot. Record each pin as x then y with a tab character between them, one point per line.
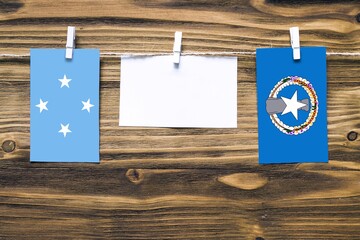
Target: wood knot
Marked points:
135	176
8	146
245	181
352	136
259	238
358	18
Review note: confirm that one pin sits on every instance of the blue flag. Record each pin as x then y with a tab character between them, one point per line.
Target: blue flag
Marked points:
64	106
291	97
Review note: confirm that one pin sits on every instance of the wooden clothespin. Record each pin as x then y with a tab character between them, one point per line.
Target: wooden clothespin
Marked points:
70	42
177	47
295	42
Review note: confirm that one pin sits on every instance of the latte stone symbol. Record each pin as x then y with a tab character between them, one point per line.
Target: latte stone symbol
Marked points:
275	105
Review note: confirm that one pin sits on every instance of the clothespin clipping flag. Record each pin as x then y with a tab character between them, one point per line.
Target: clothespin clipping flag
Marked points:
64	105
291	96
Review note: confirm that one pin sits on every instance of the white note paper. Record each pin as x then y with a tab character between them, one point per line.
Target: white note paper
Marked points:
200	92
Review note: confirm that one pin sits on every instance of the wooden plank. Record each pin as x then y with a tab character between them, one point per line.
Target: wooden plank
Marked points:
166	147
287	202
179	183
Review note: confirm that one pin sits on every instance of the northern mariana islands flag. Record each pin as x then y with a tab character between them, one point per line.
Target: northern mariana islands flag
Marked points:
64	106
291	97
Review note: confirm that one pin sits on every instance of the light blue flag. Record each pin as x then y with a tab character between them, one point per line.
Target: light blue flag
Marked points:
64	106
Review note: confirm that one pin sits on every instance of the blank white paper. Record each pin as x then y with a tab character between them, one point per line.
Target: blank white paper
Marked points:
200	92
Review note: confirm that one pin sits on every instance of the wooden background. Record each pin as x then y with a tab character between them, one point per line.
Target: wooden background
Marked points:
179	183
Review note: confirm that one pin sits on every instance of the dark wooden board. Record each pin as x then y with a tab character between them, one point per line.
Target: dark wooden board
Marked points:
168	183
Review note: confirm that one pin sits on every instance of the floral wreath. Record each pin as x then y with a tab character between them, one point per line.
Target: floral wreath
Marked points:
306	85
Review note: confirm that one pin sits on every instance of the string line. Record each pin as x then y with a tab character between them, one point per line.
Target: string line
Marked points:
129	54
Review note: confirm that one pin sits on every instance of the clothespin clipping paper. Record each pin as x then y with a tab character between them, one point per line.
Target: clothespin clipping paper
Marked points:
177	47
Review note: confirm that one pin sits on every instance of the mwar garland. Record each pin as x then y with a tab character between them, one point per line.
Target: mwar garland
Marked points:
307	86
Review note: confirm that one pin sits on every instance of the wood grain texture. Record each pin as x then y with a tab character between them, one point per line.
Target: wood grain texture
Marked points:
168	183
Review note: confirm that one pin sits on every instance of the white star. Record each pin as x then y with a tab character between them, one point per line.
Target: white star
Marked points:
64	129
87	105
64	81
292	105
42	105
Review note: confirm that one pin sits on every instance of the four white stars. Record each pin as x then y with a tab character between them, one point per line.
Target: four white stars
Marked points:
292	105
42	105
64	81
86	106
65	129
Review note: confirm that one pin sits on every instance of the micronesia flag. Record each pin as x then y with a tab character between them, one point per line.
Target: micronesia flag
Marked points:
291	96
64	106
